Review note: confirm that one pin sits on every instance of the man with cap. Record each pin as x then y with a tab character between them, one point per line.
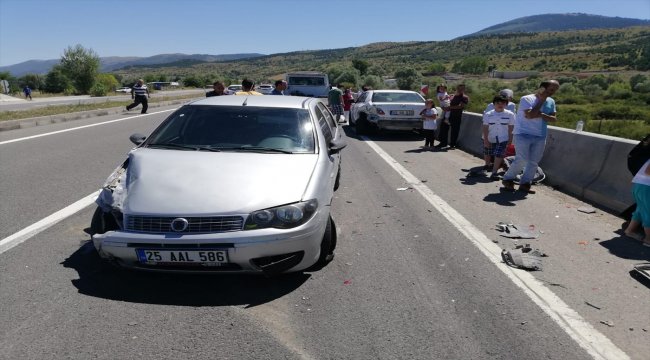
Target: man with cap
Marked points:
508	94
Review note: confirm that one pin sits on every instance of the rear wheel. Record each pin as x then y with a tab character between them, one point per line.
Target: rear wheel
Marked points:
362	124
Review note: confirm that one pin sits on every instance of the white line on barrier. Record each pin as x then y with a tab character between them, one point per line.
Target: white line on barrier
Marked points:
590	339
24	234
81	127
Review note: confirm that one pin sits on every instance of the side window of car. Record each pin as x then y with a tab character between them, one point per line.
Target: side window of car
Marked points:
323	124
328	117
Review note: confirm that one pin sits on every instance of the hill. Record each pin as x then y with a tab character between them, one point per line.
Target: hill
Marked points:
559	22
112	63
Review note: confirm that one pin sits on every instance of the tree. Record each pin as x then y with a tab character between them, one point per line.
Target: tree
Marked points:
637	79
360	65
437	68
80	65
108	81
373	81
56	81
34	81
471	65
407	78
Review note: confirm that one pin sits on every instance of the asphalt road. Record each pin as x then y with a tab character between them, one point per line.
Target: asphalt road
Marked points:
409	280
22	104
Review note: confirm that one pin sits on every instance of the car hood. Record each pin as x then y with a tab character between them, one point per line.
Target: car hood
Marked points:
171	182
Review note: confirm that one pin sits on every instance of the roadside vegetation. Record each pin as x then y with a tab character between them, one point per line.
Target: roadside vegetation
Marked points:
604	73
65	109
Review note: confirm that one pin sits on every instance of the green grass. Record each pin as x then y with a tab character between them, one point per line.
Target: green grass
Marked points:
65	109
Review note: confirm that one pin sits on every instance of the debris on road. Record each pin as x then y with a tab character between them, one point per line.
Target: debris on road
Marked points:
587	209
523	257
404	188
512	231
607	322
592	305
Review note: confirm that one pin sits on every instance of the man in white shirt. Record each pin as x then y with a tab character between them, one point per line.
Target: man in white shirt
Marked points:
497	134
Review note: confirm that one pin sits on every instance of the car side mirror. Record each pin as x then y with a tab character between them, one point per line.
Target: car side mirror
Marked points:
336	145
137	138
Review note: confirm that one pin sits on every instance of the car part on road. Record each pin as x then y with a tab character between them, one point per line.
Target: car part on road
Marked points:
523	257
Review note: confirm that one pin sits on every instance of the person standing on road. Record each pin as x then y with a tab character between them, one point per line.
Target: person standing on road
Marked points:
248	88
28	92
641	216
280	86
429	115
456	107
335	101
219	89
535	112
139	93
497	134
348	99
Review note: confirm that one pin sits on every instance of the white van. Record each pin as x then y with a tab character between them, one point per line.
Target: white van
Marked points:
307	83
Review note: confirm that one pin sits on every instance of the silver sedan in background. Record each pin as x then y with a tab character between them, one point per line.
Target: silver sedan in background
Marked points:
226	184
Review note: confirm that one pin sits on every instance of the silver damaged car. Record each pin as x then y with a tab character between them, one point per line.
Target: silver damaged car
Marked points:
226	184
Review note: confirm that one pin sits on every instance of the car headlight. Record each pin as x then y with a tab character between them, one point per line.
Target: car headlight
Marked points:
282	217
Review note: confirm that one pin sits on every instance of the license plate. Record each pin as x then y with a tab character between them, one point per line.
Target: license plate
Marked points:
402	112
182	257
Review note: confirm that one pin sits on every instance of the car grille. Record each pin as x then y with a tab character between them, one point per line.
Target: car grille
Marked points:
211	224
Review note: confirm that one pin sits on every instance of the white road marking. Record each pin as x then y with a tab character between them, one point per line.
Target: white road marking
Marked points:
26	233
82	127
590	339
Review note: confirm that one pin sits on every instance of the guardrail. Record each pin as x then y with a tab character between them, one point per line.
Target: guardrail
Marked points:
589	166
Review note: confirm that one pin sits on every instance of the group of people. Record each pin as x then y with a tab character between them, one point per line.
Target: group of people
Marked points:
449	120
502	125
248	88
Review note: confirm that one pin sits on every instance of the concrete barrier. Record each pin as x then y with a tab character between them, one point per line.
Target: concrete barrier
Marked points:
589	166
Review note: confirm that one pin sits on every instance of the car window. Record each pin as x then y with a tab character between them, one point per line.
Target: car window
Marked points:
324	124
329	117
306	80
396	97
232	127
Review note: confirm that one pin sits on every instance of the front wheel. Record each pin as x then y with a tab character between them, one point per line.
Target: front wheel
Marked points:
102	222
327	246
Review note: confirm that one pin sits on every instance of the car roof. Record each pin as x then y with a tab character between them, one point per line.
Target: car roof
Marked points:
393	91
295	102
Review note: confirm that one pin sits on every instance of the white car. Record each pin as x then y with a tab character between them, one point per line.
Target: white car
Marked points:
124	90
387	109
226	184
230	90
265	89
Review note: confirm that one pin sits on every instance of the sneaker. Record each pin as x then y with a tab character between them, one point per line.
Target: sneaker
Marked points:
495	177
508	185
526	188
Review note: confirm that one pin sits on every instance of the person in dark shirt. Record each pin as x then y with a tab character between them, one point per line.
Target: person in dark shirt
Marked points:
219	89
280	86
457	105
139	93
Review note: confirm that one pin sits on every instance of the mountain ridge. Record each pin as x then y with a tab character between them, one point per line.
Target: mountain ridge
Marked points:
527	24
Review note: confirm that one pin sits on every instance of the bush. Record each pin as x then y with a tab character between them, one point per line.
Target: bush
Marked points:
98	90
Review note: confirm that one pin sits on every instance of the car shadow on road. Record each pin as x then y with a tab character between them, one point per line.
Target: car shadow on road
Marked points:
505	197
102	280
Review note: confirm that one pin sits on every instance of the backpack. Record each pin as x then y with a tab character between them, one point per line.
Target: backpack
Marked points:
639	155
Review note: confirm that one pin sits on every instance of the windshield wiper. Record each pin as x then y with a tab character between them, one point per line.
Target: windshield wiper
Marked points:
181	146
257	148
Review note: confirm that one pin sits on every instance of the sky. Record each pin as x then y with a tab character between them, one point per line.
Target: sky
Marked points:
43	29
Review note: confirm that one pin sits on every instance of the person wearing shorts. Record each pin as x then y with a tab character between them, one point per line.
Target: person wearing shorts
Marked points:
497	134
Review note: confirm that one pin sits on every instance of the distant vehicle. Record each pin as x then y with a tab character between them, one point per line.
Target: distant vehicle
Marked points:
307	83
387	109
124	89
251	187
265	89
233	89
